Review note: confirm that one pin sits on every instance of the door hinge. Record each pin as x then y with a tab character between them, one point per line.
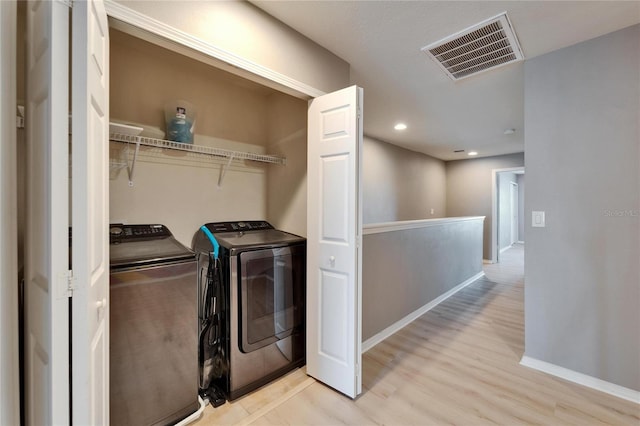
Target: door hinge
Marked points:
71	283
359	113
20	117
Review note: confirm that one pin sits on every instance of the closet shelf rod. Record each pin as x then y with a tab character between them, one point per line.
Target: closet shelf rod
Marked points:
198	149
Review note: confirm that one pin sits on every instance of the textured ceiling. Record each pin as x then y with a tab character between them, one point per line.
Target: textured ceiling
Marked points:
382	41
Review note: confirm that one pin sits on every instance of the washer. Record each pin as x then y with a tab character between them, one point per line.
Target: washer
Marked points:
153	327
262	272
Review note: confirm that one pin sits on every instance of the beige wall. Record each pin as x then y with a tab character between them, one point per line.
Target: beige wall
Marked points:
171	187
244	30
399	184
144	77
469	188
287	185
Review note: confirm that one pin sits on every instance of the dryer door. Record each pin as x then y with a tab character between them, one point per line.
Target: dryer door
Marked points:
272	294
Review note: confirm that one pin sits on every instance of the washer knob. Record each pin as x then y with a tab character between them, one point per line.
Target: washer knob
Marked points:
115	231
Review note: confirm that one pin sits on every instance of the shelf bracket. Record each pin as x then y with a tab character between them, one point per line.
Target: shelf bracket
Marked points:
131	168
223	170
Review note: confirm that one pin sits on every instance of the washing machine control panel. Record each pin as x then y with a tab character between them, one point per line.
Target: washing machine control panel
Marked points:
119	233
249	225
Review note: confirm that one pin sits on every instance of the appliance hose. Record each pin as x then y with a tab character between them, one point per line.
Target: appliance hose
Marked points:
214	242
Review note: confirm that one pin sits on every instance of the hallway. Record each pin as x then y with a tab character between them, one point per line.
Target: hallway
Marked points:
458	363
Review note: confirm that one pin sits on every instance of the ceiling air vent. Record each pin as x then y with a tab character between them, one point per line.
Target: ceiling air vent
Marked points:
482	47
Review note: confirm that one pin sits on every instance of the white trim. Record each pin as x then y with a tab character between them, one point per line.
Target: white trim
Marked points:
502	250
129	16
395	327
520	242
377	228
487	261
494	208
582	379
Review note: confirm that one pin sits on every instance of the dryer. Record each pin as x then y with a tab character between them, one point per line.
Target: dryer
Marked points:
261	313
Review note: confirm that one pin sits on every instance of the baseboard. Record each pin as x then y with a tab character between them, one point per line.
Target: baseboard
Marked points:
582	379
520	242
487	261
502	250
393	328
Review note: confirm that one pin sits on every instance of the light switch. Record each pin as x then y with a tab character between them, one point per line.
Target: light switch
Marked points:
537	219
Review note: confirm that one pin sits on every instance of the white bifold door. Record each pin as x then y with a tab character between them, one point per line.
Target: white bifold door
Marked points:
334	240
52	282
90	213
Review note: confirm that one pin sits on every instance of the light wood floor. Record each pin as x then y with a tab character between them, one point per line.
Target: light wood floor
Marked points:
457	364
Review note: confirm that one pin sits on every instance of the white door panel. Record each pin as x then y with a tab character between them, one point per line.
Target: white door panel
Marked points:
90	192
46	245
334	225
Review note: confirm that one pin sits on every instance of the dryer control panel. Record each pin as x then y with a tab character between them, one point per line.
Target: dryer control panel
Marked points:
249	225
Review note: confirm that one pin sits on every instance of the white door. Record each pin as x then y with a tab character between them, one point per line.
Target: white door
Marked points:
90	209
47	216
334	235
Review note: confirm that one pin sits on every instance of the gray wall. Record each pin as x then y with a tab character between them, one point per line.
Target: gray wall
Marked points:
423	264
504	208
521	216
582	293
399	184
469	189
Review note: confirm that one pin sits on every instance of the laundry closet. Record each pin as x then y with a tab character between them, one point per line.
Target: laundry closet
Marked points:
242	131
183	190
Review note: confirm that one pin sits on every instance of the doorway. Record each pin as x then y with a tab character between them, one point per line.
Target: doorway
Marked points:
508	210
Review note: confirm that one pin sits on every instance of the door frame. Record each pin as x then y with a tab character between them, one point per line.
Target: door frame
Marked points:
513	207
495	249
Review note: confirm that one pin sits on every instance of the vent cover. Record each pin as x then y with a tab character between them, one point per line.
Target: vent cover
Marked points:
482	47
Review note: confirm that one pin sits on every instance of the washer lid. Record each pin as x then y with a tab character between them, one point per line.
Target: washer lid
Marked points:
257	239
131	253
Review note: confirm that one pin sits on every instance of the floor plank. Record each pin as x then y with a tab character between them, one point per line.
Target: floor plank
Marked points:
456	364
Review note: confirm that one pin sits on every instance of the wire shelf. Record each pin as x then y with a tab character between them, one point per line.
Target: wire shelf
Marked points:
199	149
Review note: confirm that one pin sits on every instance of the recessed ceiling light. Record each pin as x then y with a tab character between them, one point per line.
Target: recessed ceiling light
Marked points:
472	153
509	131
400	126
